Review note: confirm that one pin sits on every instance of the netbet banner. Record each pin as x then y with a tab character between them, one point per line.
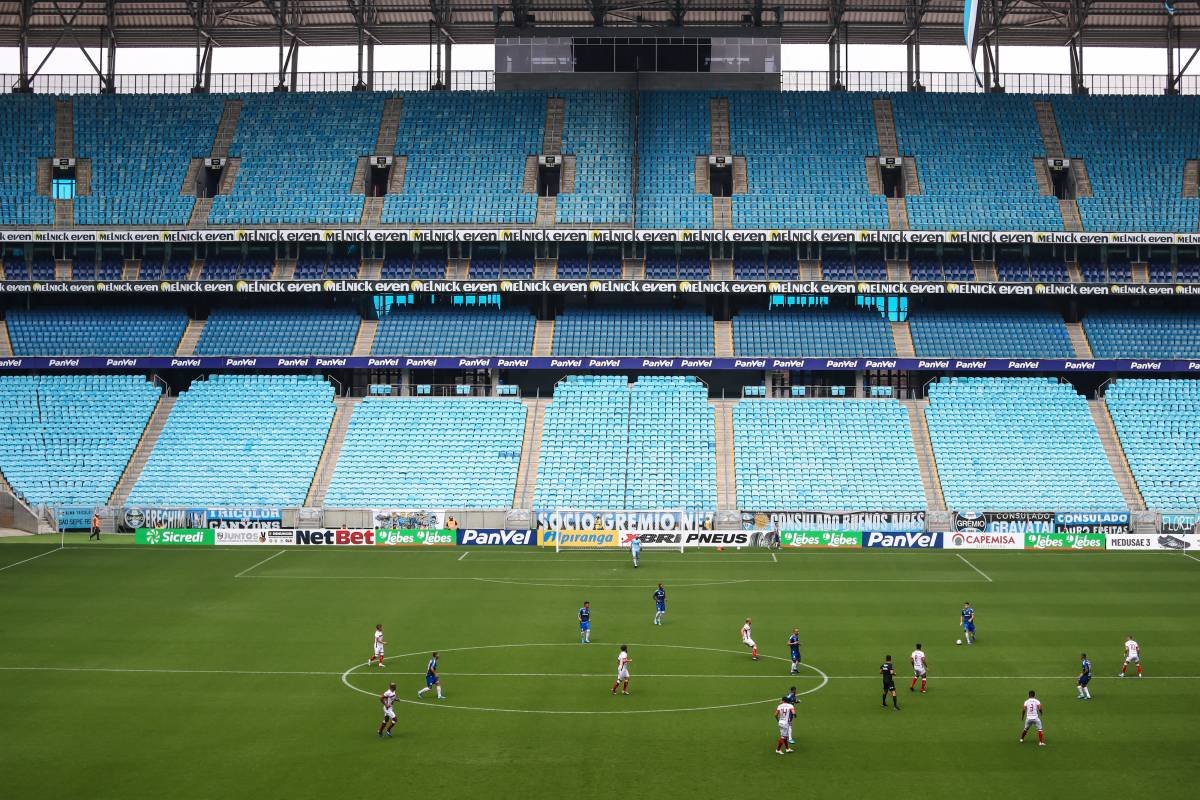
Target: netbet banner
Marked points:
923	541
821	539
419	538
677	539
174	537
883	521
332	536
1064	541
973	540
496	537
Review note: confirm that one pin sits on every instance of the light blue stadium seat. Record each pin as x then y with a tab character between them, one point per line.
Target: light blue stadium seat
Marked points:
673	130
1143	334
28	135
83	332
598	131
1158	424
405	452
984	334
633	332
825	455
480	332
1018	444
279	332
239	440
819	332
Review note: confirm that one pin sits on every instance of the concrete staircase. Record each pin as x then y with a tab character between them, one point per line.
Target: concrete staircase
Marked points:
285	269
529	179
229	176
196	270
926	462
457	269
912	179
985	271
531	449
1079	340
885	127
6	350
722	212
723	338
141	453
902	336
633	269
372	212
191	337
1115	454
1083	183
42	180
702	185
810	270
226	127
1191	178
543	337
552	130
63	269
718	127
897	214
898	271
131	269
1048	126
547	212
1139	272
741	181
726	461
545	268
64	129
389	126
364	340
566	177
1070	215
200	211
332	451
721	269
371	269
64	213
874	181
1042	174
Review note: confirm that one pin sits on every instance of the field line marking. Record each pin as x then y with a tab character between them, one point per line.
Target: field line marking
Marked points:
774	559
464	555
259	564
1193	558
27	560
576	583
972	566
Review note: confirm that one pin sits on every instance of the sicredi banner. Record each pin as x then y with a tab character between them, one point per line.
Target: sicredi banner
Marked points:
1064	541
821	539
579	539
238	537
903	540
331	536
1131	542
496	537
978	540
174	537
418	538
1103	522
677	539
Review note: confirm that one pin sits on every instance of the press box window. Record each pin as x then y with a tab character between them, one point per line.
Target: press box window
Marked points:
62	179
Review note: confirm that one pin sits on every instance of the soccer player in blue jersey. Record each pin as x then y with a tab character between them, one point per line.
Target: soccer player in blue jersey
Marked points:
1085	677
790	697
635	547
968	623
660	604
794	646
585	623
432	681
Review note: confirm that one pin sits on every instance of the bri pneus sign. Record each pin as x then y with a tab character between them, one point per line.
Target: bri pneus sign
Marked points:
905	540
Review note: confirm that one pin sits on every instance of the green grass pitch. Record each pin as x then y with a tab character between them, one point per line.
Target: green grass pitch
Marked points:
147	673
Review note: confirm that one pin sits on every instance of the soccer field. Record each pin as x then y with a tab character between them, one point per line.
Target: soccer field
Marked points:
132	672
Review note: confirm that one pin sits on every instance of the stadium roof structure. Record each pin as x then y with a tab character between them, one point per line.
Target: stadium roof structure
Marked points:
153	23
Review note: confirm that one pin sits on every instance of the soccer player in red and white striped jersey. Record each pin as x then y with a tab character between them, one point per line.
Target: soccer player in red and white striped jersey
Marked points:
919	668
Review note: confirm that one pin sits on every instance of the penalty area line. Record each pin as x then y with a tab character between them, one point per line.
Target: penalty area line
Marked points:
1185	555
972	566
258	564
27	560
464	555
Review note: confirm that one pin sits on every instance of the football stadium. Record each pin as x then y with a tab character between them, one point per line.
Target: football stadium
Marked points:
637	417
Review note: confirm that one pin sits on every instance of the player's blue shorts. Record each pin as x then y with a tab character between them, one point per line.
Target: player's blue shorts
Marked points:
969	627
660	606
585	626
795	654
1084	680
430	680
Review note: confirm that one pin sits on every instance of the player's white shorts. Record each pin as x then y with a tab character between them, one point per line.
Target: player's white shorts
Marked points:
785	730
378	651
389	713
623	674
1133	659
749	643
1030	723
919	672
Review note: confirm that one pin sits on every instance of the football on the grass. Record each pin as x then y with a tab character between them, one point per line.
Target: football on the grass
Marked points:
958	641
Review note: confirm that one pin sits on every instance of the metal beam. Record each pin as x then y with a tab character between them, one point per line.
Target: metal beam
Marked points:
23	85
914	13
838	40
1076	23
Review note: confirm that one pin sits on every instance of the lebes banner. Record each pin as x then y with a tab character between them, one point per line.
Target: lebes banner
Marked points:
1064	541
821	539
415	538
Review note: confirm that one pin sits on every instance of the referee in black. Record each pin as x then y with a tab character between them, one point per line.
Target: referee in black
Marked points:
888	672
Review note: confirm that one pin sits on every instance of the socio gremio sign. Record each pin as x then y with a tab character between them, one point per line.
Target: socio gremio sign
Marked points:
174	537
330	536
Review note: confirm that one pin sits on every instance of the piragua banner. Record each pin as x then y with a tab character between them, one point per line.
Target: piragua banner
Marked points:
408	519
923	541
821	539
174	537
579	539
884	521
415	538
1018	522
613	520
242	537
496	537
978	540
1064	541
1108	523
677	539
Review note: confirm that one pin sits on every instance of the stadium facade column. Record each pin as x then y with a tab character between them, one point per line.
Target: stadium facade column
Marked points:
839	36
1176	66
1076	20
23	84
365	15
914	12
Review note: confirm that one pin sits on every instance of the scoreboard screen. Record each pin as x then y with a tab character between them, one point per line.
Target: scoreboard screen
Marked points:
631	53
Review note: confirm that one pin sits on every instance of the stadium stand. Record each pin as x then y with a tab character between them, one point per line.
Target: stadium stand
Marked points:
429	453
28	136
825	455
96	332
974	156
227	268
1143	334
633	332
1158	422
598	131
820	332
279	332
989	334
67	438
239	440
1134	148
608	445
466	157
798	174
298	156
154	267
140	147
452	332
674	129
1018	444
